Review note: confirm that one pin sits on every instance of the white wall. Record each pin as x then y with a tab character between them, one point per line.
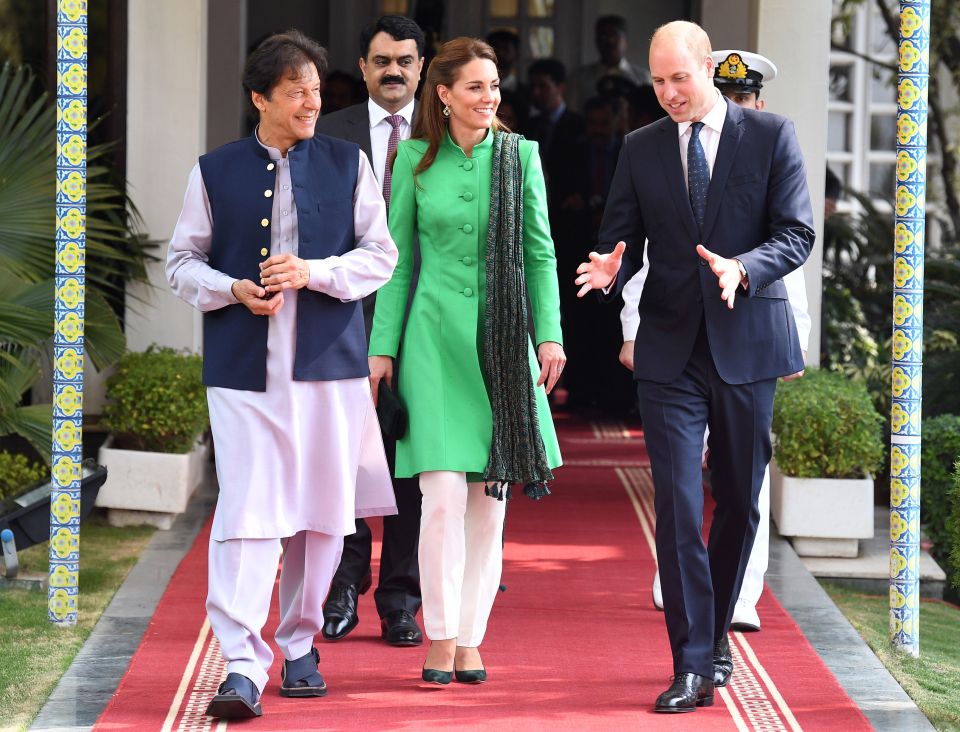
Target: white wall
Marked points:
166	132
797	37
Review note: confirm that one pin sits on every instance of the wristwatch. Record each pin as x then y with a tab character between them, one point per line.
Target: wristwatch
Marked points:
744	280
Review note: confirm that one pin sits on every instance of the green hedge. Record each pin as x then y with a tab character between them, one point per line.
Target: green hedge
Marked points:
18	472
941	448
157	401
953	525
826	427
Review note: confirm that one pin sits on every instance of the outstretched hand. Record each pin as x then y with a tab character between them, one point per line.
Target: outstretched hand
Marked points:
727	272
600	271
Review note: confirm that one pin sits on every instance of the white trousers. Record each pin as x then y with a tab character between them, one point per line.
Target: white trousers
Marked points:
461	556
752	586
242	573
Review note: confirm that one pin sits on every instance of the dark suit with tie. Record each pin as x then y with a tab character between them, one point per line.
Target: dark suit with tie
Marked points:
398	587
698	363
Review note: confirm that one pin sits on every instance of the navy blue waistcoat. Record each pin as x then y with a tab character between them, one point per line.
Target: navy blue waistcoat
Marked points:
330	342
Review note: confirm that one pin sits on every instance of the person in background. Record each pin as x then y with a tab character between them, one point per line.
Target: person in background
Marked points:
717	197
340	90
556	127
610	36
299	455
391	60
739	75
506	44
475	394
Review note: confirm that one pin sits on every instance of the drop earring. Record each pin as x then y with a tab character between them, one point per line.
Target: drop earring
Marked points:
446	110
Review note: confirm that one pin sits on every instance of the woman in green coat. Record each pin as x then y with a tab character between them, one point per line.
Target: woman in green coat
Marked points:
473	387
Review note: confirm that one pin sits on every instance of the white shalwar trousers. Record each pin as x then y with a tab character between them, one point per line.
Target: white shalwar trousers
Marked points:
242	573
461	556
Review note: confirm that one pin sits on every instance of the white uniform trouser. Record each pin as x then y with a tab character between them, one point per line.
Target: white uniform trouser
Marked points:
752	586
242	573
461	556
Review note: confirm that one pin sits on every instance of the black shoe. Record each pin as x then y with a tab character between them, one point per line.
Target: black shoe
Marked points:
400	628
722	662
237	698
340	609
300	678
471	677
687	692
435	676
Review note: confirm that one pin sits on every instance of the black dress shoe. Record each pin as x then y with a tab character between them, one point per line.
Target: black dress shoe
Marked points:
399	628
722	662
687	692
340	609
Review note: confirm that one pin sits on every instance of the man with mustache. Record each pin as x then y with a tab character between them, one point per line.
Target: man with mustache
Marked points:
391	62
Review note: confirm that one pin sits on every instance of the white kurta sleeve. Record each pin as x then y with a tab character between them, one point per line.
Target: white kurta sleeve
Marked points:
797	294
370	265
629	316
192	279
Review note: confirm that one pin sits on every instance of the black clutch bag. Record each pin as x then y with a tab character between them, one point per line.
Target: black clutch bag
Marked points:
390	412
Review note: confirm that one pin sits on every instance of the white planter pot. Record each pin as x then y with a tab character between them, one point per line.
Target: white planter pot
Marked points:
825	516
149	487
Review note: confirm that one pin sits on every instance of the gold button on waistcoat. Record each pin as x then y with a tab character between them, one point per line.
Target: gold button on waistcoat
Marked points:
267	193
264	223
270	166
264	252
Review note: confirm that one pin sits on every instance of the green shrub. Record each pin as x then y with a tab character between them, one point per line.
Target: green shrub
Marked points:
953	524
18	472
941	448
826	427
157	401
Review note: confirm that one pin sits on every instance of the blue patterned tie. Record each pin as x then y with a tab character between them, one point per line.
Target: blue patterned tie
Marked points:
698	175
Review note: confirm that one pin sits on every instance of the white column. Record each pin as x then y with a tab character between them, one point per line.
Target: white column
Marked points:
796	36
166	132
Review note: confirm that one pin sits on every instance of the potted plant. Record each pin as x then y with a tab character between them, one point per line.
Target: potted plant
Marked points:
828	442
157	414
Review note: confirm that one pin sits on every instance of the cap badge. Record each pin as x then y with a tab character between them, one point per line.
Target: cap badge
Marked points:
733	68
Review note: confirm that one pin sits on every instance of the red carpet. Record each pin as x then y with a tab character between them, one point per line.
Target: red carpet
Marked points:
574	644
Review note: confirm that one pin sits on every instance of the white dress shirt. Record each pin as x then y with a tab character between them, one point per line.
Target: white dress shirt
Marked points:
380	130
709	134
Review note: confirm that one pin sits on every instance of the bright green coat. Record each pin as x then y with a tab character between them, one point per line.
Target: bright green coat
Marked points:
440	351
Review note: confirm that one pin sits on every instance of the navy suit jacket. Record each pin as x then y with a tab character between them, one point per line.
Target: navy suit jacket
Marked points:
758	211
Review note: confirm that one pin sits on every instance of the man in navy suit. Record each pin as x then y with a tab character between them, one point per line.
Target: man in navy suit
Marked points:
720	195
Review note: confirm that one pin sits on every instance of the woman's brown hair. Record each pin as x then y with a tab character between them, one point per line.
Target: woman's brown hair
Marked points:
431	125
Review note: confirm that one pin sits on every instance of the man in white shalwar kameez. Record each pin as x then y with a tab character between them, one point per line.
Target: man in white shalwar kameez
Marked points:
280	236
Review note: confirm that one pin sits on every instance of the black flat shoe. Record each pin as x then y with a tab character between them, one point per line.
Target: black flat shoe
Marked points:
340	610
237	698
687	692
435	676
722	662
399	628
301	679
471	677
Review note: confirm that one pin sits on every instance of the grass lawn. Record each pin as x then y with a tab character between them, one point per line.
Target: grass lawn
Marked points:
35	653
933	680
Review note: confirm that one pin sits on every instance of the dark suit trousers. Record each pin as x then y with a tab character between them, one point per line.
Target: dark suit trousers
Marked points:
398	587
701	583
